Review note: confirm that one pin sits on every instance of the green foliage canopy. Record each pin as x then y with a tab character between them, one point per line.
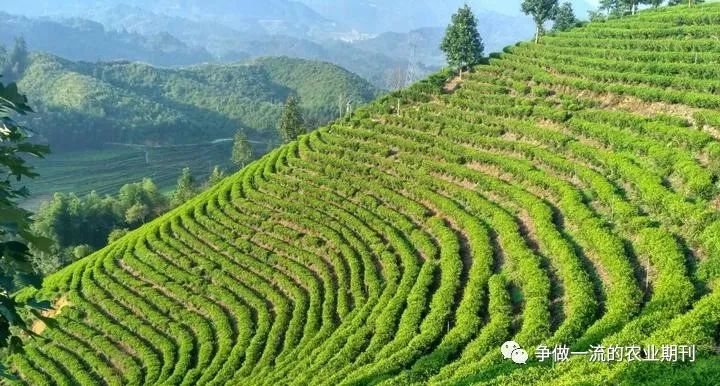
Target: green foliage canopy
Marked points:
241	151
564	18
16	237
16	62
292	123
462	43
71	221
186	189
541	11
216	176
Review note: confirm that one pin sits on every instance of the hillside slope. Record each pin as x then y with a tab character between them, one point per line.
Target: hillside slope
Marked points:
566	193
82	105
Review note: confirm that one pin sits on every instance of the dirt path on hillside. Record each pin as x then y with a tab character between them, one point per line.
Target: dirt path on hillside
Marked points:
452	84
38	326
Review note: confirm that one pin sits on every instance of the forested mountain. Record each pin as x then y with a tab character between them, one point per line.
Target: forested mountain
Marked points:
81	105
138	35
81	39
113	123
561	197
377	67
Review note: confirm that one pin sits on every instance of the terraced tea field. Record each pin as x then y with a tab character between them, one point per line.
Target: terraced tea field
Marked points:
107	170
565	193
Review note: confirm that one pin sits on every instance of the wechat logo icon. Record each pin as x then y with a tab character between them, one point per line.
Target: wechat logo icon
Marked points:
512	350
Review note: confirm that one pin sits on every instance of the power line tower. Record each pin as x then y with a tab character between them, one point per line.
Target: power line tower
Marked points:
411	73
342	99
348	107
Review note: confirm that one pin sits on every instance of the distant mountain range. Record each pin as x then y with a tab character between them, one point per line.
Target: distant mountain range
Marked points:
377	40
82	39
174	41
369	16
245	16
250	18
196	9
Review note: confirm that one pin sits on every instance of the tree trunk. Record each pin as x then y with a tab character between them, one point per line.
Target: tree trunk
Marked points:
537	34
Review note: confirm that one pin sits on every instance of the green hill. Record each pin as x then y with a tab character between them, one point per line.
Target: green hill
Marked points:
82	105
564	194
109	124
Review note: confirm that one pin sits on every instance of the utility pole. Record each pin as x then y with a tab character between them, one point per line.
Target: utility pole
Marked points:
341	105
411	73
348	107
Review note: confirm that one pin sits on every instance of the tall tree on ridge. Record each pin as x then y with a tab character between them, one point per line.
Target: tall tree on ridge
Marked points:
241	151
16	62
216	176
541	11
564	18
292	123
186	188
462	43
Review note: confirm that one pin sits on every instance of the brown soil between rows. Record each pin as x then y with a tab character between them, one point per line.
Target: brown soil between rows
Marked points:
38	326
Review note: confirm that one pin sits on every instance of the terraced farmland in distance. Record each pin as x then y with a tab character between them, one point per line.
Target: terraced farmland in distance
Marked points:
107	170
564	193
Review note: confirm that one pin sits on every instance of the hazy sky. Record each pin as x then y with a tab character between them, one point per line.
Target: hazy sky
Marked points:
510	7
370	16
513	6
402	15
